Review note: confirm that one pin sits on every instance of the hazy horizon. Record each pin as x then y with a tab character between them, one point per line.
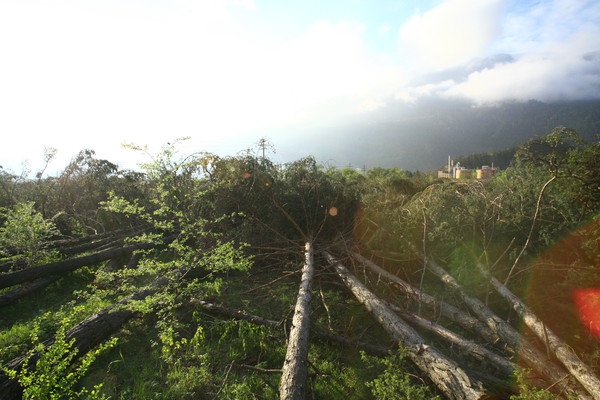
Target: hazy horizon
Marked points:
78	75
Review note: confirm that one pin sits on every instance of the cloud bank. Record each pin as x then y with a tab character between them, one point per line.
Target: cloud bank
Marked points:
553	52
95	74
452	33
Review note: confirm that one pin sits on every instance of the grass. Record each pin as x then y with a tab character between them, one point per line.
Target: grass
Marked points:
202	356
45	309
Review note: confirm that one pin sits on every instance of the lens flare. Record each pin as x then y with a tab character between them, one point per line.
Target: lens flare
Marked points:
588	304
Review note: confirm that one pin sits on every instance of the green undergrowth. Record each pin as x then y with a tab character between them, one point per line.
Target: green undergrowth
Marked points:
192	354
44	310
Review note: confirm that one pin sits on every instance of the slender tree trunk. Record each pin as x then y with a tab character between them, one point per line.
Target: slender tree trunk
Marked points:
561	350
87	246
319	333
466	346
526	350
84	239
447	310
11	296
448	376
295	367
87	334
60	267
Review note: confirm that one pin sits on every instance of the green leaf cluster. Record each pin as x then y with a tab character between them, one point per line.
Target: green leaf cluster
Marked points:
26	232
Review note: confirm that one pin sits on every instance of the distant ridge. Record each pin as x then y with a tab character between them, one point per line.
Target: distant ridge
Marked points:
421	136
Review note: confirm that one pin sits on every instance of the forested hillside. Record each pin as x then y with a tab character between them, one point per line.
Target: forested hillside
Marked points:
421	135
206	277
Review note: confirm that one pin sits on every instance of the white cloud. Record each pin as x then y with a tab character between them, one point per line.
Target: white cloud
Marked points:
554	47
541	77
94	74
452	33
82	75
530	27
249	4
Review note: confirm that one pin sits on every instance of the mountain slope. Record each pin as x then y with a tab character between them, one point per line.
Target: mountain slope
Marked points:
421	136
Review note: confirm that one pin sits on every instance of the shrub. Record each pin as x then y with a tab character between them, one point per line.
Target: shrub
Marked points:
25	233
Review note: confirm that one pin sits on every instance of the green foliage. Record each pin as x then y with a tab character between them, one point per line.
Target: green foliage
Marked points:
394	382
211	207
15	338
57	369
529	392
25	231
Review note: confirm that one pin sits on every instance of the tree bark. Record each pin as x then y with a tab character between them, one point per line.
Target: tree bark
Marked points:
87	334
526	350
11	296
447	310
86	246
60	267
84	239
450	378
466	346
561	350
295	366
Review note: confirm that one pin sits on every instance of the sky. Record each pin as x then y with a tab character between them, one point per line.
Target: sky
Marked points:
94	74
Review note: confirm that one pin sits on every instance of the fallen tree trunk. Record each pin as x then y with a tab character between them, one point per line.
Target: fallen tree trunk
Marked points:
87	334
257	320
60	267
11	296
84	239
561	350
526	350
86	246
295	366
447	310
14	264
466	346
369	348
448	376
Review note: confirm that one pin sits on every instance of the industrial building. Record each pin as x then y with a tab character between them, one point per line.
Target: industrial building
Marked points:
456	171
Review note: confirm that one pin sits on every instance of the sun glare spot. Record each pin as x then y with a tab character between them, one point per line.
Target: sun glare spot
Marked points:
588	304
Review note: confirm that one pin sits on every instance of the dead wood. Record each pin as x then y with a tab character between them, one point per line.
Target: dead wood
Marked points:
466	346
316	332
454	314
448	376
84	239
295	366
87	334
11	296
134	260
560	349
258	369
287	275
236	314
93	245
16	263
60	267
526	350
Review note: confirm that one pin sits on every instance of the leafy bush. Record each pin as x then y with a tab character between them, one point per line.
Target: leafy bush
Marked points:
529	392
56	373
25	232
394	383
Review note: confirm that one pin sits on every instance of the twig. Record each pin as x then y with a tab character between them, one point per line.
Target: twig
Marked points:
224	380
272	282
326	309
535	215
259	369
